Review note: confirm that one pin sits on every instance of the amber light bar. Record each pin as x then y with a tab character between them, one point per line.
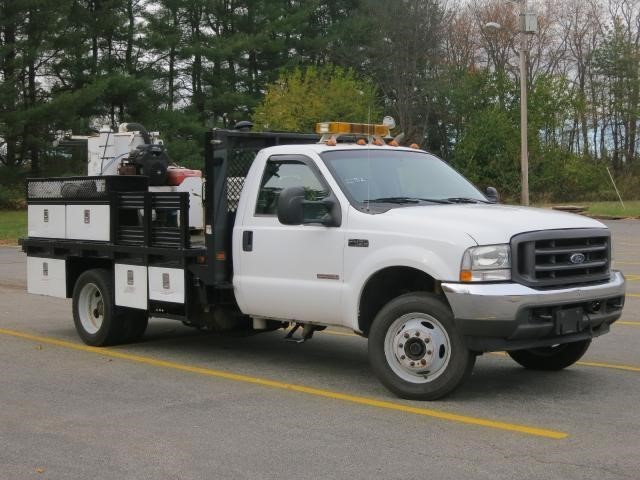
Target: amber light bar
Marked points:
345	128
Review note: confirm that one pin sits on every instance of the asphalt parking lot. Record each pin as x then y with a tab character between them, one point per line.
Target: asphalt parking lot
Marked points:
189	405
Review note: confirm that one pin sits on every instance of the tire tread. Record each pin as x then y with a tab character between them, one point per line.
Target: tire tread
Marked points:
112	330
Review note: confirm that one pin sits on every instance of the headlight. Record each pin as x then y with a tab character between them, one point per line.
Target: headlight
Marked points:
613	256
488	263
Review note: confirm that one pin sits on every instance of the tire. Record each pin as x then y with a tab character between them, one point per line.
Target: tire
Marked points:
551	358
97	319
135	324
418	328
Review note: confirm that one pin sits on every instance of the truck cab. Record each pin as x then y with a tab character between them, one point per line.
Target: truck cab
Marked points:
350	230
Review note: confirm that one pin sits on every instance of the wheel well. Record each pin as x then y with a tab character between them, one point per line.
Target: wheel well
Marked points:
387	284
77	266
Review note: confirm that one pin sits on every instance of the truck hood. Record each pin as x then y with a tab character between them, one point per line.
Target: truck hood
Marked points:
488	224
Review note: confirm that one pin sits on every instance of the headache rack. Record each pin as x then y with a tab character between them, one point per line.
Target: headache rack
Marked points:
228	156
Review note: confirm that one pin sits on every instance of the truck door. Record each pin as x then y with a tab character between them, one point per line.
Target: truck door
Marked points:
283	271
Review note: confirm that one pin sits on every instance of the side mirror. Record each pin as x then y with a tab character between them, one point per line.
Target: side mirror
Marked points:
293	209
492	195
290	211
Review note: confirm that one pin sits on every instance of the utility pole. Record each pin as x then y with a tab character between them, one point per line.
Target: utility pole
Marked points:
524	140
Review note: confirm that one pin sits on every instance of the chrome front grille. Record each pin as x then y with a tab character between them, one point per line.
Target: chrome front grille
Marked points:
561	257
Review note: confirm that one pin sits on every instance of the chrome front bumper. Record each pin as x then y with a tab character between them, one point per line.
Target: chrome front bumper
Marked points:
503	301
511	311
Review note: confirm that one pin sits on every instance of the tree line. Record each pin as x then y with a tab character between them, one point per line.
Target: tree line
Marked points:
452	84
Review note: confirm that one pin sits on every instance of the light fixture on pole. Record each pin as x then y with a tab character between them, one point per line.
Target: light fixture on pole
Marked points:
528	26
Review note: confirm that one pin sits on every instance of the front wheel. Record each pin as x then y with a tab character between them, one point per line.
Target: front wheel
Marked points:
415	349
556	357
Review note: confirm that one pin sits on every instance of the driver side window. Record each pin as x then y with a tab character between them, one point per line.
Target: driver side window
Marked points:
279	175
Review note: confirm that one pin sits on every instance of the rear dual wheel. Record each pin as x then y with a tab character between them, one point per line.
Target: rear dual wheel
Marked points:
99	322
415	349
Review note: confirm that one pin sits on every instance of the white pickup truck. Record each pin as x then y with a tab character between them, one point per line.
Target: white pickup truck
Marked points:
387	241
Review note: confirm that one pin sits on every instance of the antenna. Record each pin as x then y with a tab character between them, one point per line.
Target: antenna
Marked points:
369	160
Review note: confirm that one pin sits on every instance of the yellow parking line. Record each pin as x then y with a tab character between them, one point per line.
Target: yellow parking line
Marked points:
628	368
633	295
632	278
370	402
630	324
618	262
614	366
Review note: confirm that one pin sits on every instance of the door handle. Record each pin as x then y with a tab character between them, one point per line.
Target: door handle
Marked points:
247	241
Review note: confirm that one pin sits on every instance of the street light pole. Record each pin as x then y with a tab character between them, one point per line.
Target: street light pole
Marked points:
528	25
524	140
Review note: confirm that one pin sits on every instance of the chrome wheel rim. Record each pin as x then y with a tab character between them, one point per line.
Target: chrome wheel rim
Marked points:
417	348
91	308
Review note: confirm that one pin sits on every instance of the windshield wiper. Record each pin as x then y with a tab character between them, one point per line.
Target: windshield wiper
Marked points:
402	200
466	200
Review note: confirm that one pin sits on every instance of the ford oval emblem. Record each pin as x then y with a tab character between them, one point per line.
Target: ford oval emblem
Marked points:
577	258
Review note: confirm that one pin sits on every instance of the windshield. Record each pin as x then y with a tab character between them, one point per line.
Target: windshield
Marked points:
399	177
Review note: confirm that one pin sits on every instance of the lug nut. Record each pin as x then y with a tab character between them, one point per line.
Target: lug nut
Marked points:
429	352
401	345
406	335
402	357
412	364
417	334
427	340
423	361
